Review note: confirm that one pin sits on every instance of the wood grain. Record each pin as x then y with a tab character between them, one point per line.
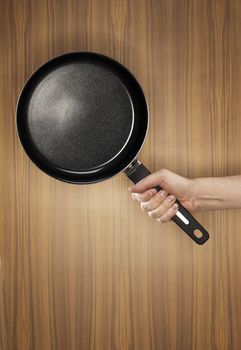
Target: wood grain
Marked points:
81	266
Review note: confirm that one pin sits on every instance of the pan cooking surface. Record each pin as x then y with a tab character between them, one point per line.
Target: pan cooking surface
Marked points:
79	116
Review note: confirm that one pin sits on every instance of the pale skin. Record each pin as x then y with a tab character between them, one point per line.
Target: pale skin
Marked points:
199	194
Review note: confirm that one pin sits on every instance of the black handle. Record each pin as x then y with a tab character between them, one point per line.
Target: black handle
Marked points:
137	171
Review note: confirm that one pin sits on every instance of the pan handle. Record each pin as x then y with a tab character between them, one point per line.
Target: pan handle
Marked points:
137	171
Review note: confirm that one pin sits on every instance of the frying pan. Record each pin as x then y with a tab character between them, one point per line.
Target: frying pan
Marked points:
82	117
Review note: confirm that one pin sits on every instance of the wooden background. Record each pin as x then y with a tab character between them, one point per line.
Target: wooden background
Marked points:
82	267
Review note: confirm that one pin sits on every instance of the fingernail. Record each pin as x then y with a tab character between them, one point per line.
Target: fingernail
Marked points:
163	193
175	206
153	191
129	189
171	198
133	195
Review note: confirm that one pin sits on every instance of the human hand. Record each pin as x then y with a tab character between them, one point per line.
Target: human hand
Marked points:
161	205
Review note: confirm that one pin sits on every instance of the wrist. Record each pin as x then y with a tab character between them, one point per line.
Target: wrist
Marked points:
206	194
193	195
196	194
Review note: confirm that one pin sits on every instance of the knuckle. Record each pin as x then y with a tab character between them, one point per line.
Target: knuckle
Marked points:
145	197
138	197
153	214
160	219
163	172
161	196
164	219
143	206
169	201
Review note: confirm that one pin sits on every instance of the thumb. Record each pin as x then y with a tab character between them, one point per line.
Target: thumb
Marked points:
150	181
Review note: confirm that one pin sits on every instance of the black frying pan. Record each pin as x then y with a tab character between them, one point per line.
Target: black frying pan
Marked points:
82	117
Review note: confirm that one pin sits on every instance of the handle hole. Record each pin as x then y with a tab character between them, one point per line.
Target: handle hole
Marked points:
198	233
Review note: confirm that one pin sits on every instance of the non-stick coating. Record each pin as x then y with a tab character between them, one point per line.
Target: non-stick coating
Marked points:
82	117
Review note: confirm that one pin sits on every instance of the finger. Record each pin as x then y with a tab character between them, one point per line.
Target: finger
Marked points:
155	201
159	211
151	180
168	215
145	196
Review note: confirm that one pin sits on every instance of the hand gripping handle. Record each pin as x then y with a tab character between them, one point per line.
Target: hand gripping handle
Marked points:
137	171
